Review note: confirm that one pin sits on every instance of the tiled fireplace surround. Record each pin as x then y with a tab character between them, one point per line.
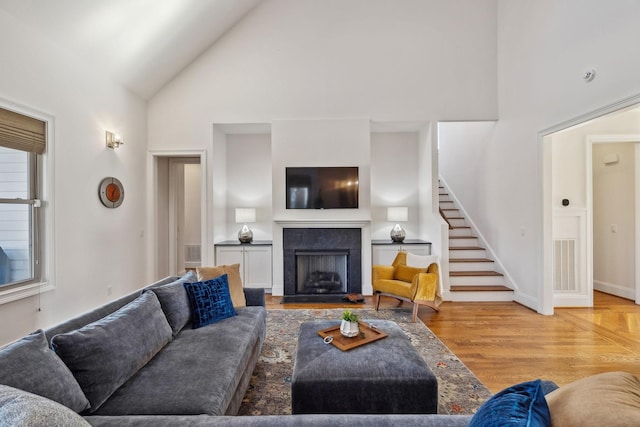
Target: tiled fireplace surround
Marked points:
337	241
321	264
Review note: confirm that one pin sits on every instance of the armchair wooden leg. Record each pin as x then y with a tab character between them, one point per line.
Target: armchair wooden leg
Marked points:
377	296
416	306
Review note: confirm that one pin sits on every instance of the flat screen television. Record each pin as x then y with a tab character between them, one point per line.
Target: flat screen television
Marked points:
334	187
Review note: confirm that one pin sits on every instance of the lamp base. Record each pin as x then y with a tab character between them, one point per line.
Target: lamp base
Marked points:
245	235
398	234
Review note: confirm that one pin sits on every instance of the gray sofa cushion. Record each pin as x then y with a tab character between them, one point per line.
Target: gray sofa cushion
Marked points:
102	311
30	365
103	355
20	408
175	302
197	373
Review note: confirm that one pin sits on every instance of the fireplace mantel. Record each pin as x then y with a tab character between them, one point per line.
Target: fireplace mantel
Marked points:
323	223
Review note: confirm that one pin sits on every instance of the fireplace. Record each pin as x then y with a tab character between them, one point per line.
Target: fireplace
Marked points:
321	264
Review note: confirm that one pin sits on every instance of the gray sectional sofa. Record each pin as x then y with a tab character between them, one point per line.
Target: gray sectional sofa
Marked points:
136	361
138	355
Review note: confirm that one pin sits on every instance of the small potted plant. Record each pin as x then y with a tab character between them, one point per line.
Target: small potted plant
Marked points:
349	326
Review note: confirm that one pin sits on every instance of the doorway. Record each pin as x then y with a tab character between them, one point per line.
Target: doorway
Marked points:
573	213
179	213
184	213
614	197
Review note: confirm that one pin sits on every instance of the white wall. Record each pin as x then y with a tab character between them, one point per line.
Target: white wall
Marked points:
217	202
330	61
95	247
462	151
306	59
249	182
300	143
614	204
394	172
569	155
543	49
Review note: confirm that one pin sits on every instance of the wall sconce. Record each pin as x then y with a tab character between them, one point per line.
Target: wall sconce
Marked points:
114	140
245	216
398	214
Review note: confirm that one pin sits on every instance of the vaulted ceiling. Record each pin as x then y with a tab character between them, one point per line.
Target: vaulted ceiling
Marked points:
141	44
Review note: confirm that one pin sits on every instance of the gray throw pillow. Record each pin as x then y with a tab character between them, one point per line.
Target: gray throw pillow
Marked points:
104	354
30	365
20	408
175	302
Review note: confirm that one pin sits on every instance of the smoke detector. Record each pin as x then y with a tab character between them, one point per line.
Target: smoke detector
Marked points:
589	75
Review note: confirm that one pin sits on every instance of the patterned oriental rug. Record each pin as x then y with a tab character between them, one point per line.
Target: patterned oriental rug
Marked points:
269	393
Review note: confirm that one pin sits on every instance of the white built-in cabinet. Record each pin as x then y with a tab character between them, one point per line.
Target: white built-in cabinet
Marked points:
383	252
255	261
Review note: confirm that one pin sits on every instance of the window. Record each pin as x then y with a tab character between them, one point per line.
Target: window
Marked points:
22	144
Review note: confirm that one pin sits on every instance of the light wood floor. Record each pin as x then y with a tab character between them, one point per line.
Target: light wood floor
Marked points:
506	343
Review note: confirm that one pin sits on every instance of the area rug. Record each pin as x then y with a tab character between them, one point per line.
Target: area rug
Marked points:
269	393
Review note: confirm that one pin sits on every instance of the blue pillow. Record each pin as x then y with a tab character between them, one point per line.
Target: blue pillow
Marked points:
523	404
210	301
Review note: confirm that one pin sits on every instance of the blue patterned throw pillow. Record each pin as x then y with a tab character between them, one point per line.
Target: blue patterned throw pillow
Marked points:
523	405
210	301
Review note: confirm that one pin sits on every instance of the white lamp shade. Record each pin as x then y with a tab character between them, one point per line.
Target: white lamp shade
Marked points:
245	215
398	214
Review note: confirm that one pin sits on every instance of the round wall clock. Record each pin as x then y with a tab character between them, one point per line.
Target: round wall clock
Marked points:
111	192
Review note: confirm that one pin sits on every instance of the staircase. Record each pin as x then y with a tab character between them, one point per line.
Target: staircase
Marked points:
472	275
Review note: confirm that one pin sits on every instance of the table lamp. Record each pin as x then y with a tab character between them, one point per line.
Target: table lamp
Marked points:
245	216
397	214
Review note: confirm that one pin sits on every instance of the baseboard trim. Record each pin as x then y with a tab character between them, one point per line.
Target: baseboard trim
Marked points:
614	289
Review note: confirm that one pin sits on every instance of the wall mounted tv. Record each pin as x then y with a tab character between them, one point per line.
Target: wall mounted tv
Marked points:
322	187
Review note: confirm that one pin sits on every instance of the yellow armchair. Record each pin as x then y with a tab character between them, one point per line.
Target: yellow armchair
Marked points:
418	285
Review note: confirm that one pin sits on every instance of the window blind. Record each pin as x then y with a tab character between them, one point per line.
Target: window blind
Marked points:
21	132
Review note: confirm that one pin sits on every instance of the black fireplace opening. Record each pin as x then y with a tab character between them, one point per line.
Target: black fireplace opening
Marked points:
321	264
323	272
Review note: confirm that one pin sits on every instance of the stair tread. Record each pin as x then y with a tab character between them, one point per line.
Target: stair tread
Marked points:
474	273
462	237
461	226
466	248
470	260
472	288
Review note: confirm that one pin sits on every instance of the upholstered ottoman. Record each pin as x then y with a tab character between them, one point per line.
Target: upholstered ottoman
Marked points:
383	377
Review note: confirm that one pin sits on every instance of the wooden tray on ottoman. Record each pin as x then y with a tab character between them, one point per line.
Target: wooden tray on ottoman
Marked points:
367	335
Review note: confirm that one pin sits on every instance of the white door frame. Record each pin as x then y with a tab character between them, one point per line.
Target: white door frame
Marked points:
152	217
609	139
545	295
